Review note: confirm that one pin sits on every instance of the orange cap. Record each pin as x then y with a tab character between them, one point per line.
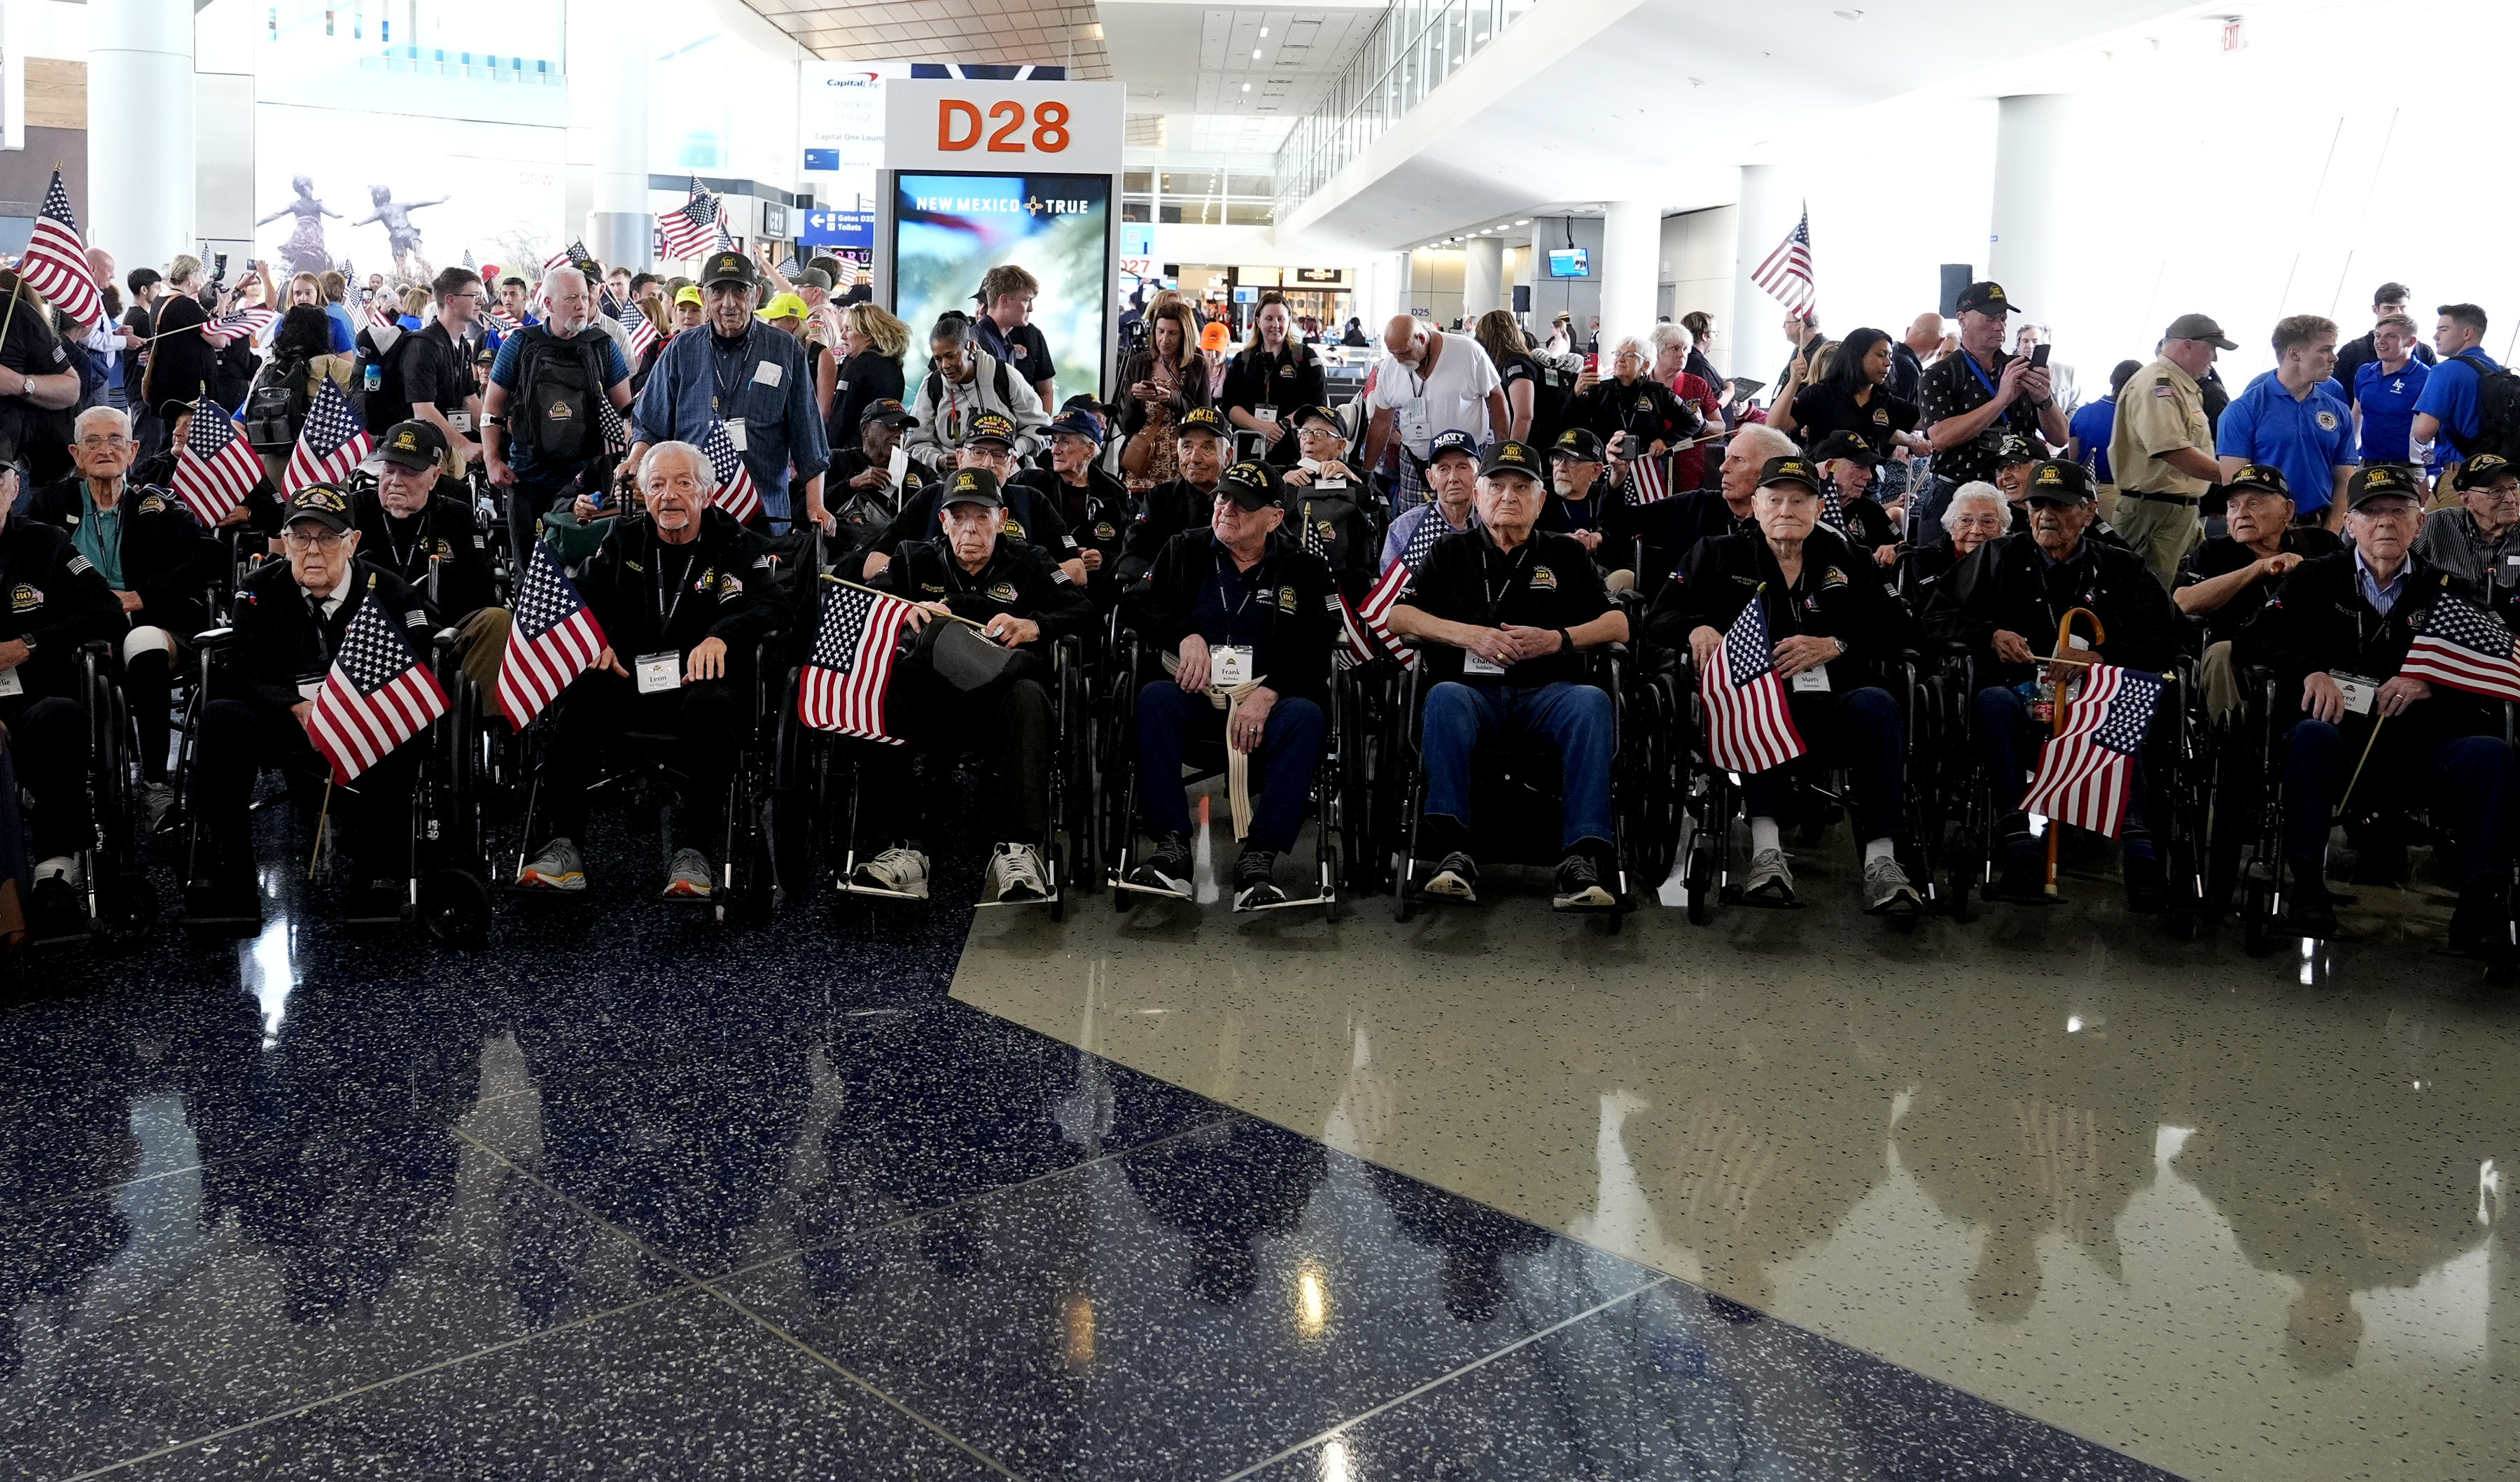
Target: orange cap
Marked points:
1214	336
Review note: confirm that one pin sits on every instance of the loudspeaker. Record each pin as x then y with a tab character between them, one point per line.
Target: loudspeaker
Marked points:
1522	298
1956	277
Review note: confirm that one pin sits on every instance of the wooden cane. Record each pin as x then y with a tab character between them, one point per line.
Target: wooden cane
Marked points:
2056	710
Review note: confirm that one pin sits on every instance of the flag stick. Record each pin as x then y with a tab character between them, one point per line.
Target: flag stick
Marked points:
2377	723
871	592
322	815
2056	711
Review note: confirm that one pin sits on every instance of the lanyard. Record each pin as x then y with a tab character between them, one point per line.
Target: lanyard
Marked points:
1234	610
101	521
1513	565
1971	361
420	537
681	586
720	362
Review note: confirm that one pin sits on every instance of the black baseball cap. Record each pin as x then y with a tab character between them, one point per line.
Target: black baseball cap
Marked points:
729	267
1582	444
1454	441
412	444
1251	485
1794	468
321	503
889	412
1200	419
2485	469
2259	475
991	427
1511	457
1986	298
1079	425
2058	482
2017	449
1849	446
1301	415
2382	480
972	487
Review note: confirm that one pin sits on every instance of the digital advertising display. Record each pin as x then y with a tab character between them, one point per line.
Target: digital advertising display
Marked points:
950	228
1570	262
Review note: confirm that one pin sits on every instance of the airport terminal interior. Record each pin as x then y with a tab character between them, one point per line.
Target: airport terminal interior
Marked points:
816	1166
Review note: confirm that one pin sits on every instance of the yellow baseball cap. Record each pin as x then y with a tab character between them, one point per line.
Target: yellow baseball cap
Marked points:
686	294
785	306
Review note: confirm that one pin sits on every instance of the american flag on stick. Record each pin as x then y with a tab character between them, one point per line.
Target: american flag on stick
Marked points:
1832	510
246	324
385	310
216	468
2464	649
1373	614
574	252
1748	726
1787	274
692	228
56	260
844	685
643	334
736	494
615	431
554	640
377	695
2083	775
329	444
497	320
1650	478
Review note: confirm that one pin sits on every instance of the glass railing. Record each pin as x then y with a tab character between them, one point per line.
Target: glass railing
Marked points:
1409	53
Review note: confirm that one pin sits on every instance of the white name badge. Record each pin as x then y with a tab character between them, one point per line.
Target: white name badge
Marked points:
307	689
10	684
1265	413
1229	667
2079	641
734	432
659	672
1475	662
462	421
1814	680
766	373
2359	692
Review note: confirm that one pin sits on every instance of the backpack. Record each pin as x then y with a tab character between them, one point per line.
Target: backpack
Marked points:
2498	414
381	377
276	408
935	390
558	381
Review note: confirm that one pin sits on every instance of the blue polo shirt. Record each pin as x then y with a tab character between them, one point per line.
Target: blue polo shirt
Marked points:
2309	440
2095	422
2450	395
2388	401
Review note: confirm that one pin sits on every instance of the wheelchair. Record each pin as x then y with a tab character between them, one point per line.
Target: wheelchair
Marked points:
1515	789
746	891
446	888
1707	802
818	779
1335	802
117	904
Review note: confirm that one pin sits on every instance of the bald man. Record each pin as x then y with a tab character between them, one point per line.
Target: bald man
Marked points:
1430	382
1908	356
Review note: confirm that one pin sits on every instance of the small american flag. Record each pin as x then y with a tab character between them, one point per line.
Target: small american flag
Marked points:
616	432
378	695
2465	650
851	663
1787	274
574	252
385	310
55	262
469	264
215	468
497	320
790	267
1832	510
643	334
1374	612
2082	775
246	324
692	228
554	639
1650	478
332	442
736	494
1748	726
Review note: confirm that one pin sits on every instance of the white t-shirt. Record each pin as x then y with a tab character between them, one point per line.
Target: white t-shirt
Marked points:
1454	398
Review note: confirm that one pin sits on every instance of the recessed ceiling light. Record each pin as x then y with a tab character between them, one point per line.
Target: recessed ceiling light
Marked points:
1848	15
1246	87
1255	53
1264	31
1525	221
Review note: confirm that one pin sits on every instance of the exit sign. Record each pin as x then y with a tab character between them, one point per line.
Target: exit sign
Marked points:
2232	37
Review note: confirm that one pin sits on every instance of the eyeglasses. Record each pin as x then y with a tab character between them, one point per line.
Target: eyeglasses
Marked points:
325	541
96	443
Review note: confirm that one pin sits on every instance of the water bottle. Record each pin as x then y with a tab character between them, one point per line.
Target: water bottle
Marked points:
374	380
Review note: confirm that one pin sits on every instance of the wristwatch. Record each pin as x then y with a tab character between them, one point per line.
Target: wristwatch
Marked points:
1566	638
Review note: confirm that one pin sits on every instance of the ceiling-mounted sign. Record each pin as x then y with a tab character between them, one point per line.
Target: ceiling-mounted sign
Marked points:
1326	277
1002	127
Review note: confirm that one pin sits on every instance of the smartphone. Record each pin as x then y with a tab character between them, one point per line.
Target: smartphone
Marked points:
2039	357
1593	364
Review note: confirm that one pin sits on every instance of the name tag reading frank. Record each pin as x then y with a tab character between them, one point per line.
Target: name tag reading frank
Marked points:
1230	667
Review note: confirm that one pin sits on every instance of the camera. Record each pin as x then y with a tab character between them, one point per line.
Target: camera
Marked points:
218	268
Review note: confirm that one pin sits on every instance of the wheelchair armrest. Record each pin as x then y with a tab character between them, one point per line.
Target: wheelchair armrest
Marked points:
215	638
97	647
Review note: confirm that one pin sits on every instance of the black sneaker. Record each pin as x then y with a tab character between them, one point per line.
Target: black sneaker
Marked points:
1579	887
2481	926
1255	880
2310	909
1167	868
2025	876
1456	877
2147	891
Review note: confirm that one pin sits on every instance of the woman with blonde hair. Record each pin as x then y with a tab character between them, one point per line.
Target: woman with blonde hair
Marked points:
1528	420
867	370
1165	380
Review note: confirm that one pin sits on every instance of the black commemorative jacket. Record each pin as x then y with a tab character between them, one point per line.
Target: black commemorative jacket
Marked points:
1840	595
653	596
1032	516
1019	579
167	559
445	536
1167	510
2319	622
1548	581
1098	518
281	646
2009	584
1301	602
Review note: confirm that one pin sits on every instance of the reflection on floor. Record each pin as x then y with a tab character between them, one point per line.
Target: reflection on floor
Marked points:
634	1198
2240	1218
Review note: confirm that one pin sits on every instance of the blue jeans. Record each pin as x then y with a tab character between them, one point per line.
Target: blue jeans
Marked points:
1576	718
2008	743
2475	770
1290	747
1861	730
1926	513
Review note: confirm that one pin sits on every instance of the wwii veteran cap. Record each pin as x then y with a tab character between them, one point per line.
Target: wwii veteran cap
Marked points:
2017	449
2259	475
2058	482
2485	469
972	487
2381	480
1582	444
1251	485
321	503
413	445
1511	457
990	426
890	413
1200	419
1453	441
729	267
2199	327
1794	468
1849	446
1078	425
1986	298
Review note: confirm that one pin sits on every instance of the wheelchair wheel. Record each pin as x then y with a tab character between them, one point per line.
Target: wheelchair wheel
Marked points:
455	907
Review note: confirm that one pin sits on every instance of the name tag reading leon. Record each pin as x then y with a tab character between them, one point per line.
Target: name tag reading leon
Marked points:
659	672
1229	667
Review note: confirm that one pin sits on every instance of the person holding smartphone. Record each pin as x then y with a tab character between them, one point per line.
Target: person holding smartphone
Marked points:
1980	390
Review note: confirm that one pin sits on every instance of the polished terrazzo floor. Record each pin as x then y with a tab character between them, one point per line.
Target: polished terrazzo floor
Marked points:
632	1198
2235	1217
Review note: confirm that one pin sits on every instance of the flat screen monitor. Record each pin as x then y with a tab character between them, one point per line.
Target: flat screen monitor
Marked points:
949	228
1570	262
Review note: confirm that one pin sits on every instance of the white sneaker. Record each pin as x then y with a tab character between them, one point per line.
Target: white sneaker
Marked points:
556	868
62	867
690	877
1769	883
1019	875
1886	890
159	800
899	870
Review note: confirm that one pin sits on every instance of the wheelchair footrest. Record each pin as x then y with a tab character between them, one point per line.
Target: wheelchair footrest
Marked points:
1309	900
851	887
1123	882
1050	899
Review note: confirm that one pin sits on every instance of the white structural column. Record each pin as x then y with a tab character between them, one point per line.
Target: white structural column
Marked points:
1767	214
2030	136
140	174
1482	276
619	227
1631	268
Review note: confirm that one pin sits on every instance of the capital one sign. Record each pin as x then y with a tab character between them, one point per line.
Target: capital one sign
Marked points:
933	124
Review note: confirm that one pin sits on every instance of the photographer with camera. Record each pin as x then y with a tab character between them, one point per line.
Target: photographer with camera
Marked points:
1972	399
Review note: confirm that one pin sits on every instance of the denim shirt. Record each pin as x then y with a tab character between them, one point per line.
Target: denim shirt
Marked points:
780	425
